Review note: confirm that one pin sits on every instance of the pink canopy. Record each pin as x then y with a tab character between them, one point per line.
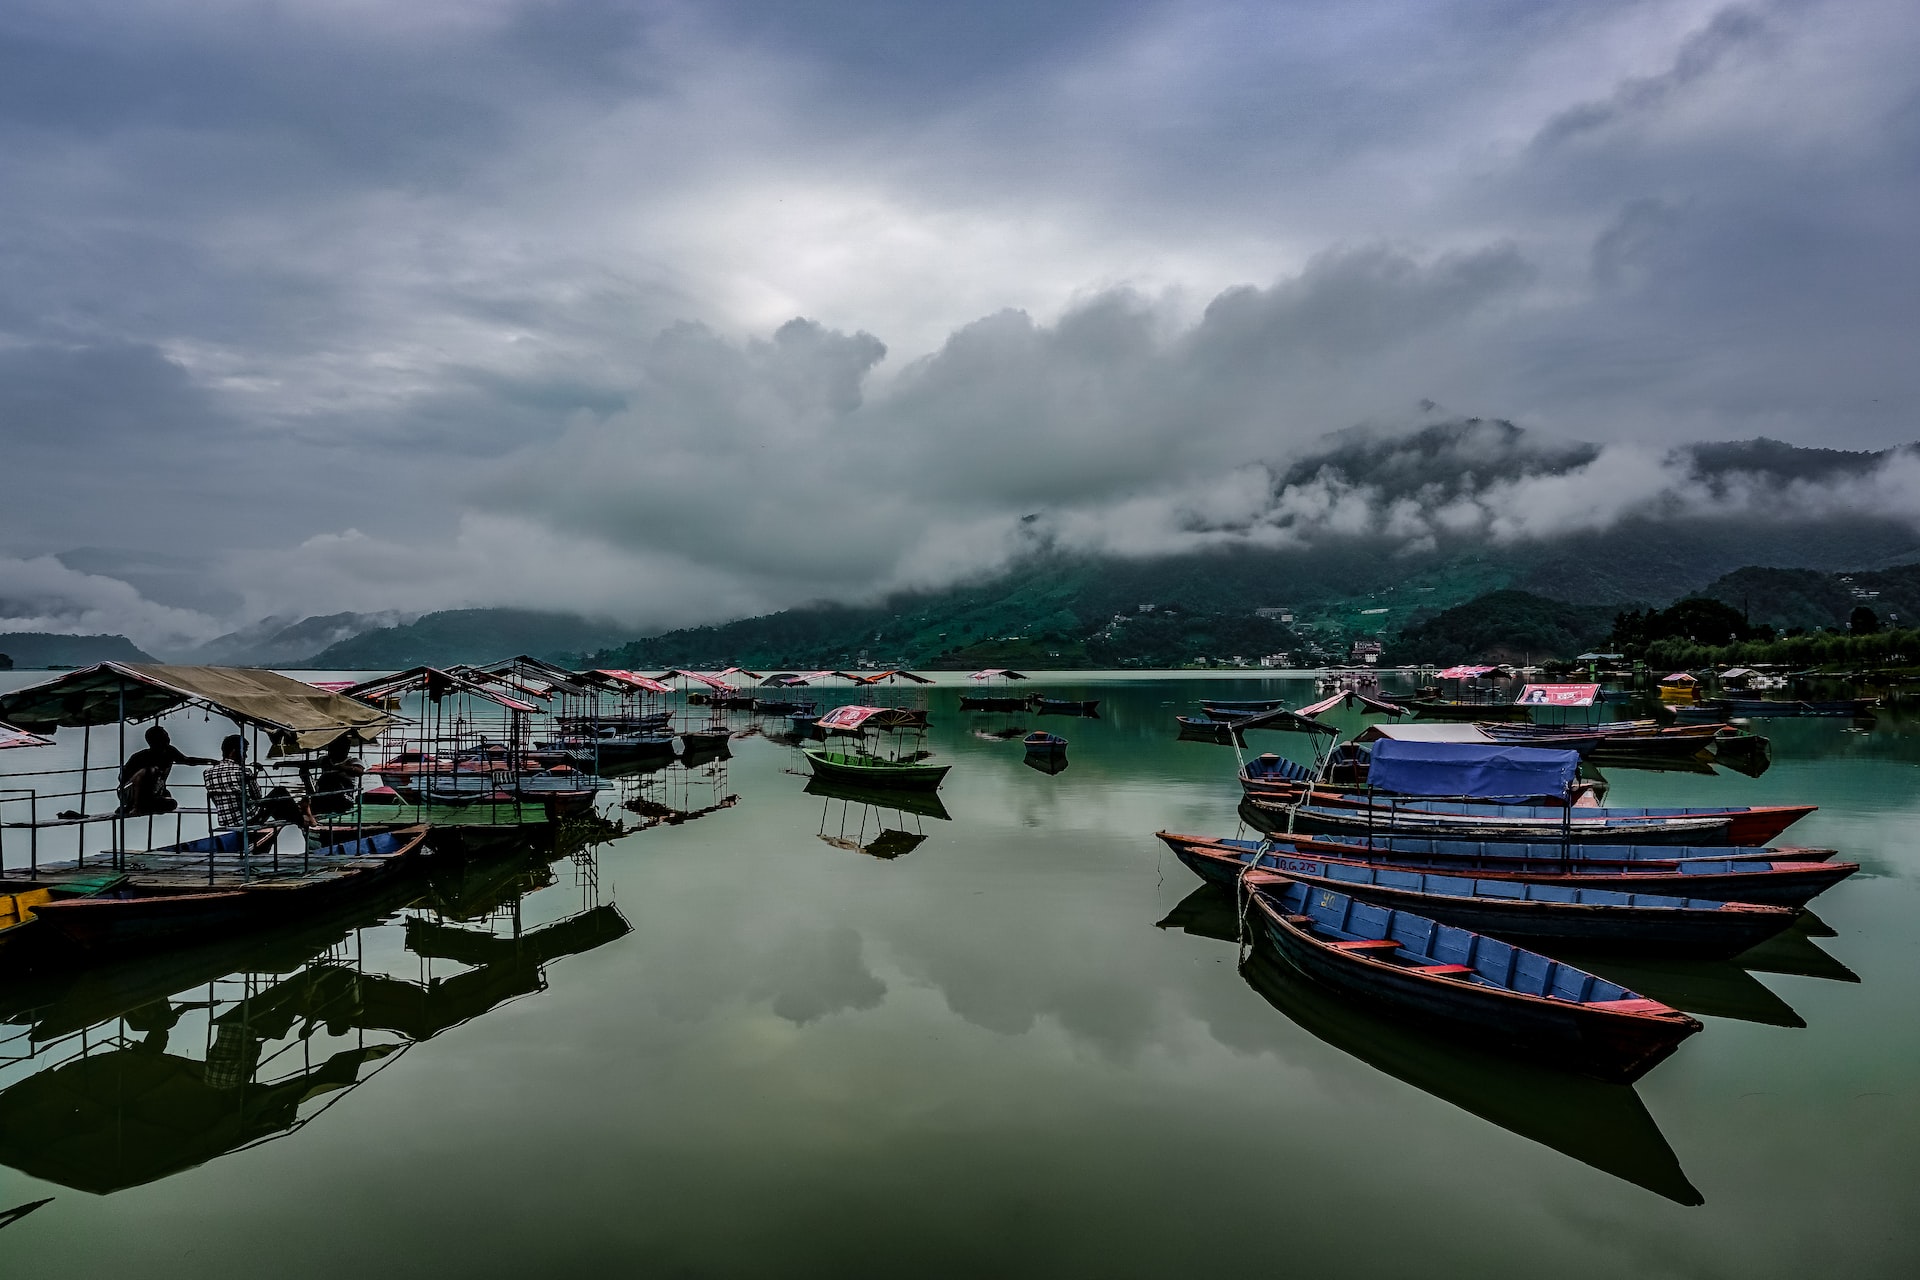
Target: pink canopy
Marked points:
1463	673
1679	677
711	681
333	686
1558	695
1001	672
850	717
12	737
637	680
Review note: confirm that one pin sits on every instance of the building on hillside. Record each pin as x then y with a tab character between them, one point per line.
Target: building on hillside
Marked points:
1282	660
1367	651
1274	613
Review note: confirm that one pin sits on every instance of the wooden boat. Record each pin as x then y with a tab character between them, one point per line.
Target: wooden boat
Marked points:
1224	709
862	770
1473	853
926	804
1279	778
20	902
1786	884
993	702
1066	707
783	707
1602	1124
1442	709
1762	708
1326	813
1477	985
698	741
1201	729
149	909
1509	908
1044	744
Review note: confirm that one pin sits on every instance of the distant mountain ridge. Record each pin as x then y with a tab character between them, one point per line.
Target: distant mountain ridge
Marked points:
30	649
468	635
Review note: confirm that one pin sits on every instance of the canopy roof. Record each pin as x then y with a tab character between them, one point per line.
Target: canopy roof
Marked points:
436	684
1424	733
1738	673
1464	673
1470	769
634	679
1281	720
12	737
878	676
1558	695
1377	706
1598	657
854	719
1679	677
1000	672
295	713
713	680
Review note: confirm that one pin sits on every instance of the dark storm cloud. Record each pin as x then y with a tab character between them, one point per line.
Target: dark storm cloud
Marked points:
378	307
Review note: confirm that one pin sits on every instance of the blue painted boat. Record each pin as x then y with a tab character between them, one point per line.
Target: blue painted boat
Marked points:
1465	981
1333	814
1508	908
1044	744
1789	884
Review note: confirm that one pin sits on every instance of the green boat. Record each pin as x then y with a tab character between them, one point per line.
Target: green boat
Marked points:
861	770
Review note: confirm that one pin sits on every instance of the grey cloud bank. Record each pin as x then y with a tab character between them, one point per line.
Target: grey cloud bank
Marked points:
345	307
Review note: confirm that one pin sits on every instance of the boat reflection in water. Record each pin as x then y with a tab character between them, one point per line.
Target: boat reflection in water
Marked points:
1603	1125
689	788
122	1074
878	822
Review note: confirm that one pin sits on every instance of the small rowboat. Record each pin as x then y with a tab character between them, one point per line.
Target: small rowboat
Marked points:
1474	853
1788	884
1044	744
991	702
1466	981
1226	710
1328	813
699	741
1507	908
861	770
20	903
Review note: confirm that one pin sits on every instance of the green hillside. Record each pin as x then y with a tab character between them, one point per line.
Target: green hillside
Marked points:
30	649
467	635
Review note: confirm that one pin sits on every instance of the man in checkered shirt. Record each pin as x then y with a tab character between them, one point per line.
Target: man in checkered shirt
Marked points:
236	800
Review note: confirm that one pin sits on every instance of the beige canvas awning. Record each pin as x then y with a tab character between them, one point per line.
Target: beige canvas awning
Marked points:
297	715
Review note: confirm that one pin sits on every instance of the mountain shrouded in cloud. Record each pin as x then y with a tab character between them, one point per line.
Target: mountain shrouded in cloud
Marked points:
325	308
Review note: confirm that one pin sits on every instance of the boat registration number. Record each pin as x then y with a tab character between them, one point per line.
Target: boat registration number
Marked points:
1301	866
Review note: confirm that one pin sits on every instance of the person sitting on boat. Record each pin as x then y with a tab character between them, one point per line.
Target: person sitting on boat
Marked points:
234	795
143	778
338	782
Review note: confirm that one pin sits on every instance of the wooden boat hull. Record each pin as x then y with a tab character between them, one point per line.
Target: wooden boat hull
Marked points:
148	912
981	702
869	772
1616	1040
1781	884
1066	707
1335	813
1509	909
1436	709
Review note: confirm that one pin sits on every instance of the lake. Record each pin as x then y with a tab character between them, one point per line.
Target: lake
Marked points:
753	1043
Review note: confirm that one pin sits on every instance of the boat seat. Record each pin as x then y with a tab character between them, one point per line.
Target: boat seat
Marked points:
1626	1006
1367	944
1442	970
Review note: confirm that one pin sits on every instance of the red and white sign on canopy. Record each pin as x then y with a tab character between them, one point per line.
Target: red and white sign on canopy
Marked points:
1558	695
849	717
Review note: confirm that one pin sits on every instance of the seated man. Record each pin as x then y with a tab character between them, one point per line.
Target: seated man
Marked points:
338	784
235	797
143	778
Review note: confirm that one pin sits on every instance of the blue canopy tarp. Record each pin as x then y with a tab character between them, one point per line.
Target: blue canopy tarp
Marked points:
1470	769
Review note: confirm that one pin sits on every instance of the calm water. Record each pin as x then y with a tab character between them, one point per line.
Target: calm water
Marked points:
741	1046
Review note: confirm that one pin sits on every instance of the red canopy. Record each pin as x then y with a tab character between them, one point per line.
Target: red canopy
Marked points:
850	717
12	737
711	681
1001	672
1558	695
637	680
1463	673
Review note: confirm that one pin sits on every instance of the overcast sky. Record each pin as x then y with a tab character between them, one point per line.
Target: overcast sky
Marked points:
671	312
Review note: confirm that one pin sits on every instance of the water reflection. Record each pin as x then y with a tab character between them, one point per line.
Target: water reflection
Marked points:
1603	1125
880	824
124	1073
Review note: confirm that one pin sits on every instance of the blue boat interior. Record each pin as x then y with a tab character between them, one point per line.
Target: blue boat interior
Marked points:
1412	847
1335	917
1454	886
